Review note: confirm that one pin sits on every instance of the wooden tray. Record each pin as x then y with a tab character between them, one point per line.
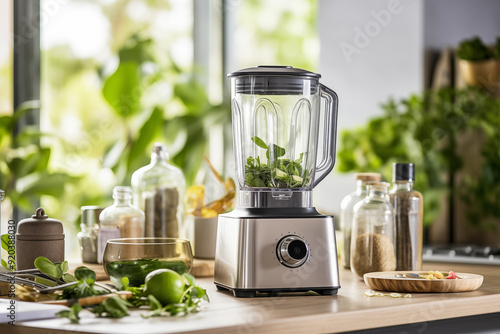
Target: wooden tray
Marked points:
387	281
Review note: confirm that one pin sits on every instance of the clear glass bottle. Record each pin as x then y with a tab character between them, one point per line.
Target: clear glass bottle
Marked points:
372	241
120	220
159	191
87	237
408	217
347	211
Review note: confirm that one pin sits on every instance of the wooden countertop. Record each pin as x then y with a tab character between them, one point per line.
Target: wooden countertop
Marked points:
349	310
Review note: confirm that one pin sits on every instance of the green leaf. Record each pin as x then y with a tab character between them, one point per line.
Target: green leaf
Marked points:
149	130
113	307
299	160
85	274
154	303
43	161
278	151
6	242
45	281
257	182
136	50
28	160
122	89
190	278
125	283
64	266
259	142
198	292
68	278
47	267
192	95
43	183
72	314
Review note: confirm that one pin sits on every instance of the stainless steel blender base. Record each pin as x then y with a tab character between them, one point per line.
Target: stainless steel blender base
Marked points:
273	255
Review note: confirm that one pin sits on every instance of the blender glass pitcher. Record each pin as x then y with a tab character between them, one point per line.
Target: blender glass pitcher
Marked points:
282	116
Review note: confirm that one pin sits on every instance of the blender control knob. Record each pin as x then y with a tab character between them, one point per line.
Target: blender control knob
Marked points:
292	251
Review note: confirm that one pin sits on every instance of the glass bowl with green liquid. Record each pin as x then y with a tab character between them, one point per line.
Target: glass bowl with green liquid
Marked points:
134	258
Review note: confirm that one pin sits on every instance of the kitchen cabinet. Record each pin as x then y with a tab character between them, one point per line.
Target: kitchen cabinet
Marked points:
350	310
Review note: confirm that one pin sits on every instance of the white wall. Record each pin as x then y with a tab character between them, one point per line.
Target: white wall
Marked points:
450	21
370	50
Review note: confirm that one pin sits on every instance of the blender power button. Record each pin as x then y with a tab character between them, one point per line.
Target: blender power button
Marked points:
292	251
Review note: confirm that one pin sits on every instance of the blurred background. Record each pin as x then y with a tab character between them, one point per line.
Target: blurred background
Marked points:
97	82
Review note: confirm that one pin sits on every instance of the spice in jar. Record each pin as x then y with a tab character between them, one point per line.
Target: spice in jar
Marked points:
408	217
372	240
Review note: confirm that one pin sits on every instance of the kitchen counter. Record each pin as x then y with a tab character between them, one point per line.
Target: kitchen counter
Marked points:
350	310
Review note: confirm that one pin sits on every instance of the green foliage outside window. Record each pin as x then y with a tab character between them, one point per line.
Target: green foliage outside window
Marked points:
426	130
99	121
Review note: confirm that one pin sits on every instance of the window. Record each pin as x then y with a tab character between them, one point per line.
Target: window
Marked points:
117	75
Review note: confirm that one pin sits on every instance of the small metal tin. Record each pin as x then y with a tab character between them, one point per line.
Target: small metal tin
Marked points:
39	236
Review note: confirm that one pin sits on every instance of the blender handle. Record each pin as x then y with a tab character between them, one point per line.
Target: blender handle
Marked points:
329	134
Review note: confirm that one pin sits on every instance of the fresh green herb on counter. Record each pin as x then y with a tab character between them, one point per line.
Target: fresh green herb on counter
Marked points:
85	286
277	172
189	300
113	307
58	271
73	314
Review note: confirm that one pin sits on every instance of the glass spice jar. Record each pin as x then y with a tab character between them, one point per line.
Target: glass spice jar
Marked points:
372	240
408	207
159	191
120	220
87	237
347	212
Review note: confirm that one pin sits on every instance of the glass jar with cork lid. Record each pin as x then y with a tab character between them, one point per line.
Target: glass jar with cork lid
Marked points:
159	189
372	240
347	212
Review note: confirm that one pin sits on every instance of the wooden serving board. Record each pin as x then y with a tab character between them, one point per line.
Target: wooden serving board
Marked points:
387	281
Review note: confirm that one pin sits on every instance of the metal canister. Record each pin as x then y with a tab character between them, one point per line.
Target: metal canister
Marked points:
39	236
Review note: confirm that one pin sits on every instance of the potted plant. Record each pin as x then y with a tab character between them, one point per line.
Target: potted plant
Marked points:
478	64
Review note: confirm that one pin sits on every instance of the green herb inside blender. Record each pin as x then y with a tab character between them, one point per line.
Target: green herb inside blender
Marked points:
278	173
137	270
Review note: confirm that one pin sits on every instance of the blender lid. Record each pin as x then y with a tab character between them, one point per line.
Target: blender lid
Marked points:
274	70
276	80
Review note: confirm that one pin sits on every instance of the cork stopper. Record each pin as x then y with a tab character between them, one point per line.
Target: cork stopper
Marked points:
378	186
377	177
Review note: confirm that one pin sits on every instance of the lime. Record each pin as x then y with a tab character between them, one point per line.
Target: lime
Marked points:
165	285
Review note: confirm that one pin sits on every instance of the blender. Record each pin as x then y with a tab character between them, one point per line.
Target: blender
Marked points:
284	138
